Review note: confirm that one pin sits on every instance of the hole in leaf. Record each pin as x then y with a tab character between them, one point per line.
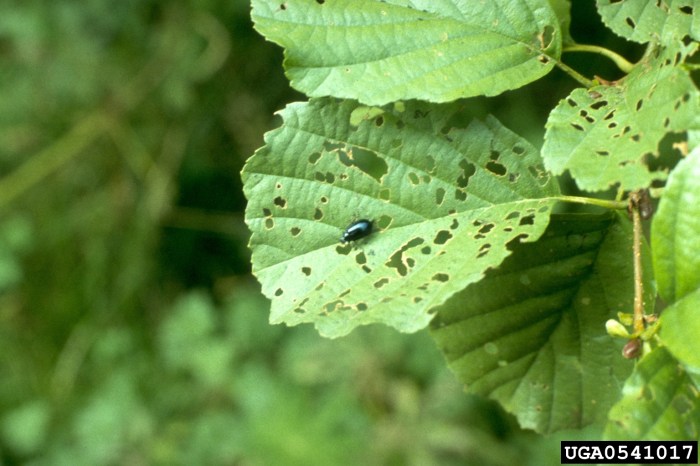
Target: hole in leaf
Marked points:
396	260
381	282
413	178
640	102
269	223
496	168
324	200
361	258
379	121
426	250
364	160
366	269
279	292
687	10
439	196
417	299
430	163
609	115
320	2
362	307
318	214
441	277
280	202
344	249
667	122
384	221
267	212
283	6
454	224
306	271
442	237
602	153
577	127
528	220
572	102
460	195
518	150
598	105
295	231
546	37
385	194
468	169
636	138
313	158
630	22
483	250
486	228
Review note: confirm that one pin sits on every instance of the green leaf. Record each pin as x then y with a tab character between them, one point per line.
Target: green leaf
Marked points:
666	22
607	134
531	334
680	327
562	8
659	402
444	204
383	51
675	231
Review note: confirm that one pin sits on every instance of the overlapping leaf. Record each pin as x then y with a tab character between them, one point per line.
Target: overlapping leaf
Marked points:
676	232
531	334
667	21
674	235
383	51
444	203
607	134
659	402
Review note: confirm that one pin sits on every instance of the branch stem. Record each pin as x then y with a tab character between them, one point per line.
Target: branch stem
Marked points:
621	62
608	204
638	322
584	81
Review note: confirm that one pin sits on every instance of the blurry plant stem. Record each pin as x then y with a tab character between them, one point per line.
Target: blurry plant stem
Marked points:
621	62
82	135
51	158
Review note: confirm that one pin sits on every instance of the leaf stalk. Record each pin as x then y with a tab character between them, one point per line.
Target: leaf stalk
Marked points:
621	62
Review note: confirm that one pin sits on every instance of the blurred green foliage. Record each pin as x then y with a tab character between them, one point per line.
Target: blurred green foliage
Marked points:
130	331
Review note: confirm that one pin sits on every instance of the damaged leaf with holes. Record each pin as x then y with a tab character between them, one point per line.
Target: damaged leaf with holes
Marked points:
531	335
383	51
608	134
667	22
445	202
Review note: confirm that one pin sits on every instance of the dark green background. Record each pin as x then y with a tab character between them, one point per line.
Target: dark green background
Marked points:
131	331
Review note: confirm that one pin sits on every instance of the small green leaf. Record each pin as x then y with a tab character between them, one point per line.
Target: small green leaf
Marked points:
444	204
607	134
659	402
532	335
680	328
675	232
382	51
667	22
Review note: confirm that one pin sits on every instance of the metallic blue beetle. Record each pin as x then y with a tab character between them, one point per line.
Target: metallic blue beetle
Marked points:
357	230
